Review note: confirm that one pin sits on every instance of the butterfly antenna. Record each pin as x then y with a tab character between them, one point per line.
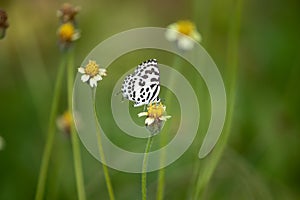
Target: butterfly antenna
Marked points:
118	93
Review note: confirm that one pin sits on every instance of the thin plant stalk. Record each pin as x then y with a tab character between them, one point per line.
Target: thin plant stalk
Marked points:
144	168
211	161
101	153
51	131
161	173
74	137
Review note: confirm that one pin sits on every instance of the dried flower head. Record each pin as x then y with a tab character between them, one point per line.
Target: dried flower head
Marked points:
156	115
178	31
92	73
3	23
67	13
64	121
67	34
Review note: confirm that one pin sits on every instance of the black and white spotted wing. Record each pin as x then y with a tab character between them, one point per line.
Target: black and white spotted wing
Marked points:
143	86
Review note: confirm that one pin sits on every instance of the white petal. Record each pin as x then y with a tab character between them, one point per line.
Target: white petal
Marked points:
149	121
85	78
98	78
76	36
164	107
164	118
171	35
102	72
142	114
185	43
196	36
81	70
173	26
93	82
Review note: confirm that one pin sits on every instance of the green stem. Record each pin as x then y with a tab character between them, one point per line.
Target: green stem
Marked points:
161	180
211	161
101	153
51	131
74	137
144	168
161	172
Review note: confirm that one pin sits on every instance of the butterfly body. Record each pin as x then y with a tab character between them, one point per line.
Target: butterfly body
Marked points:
143	86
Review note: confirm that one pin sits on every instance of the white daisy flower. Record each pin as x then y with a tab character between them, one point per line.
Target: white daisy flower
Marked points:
156	117
155	112
183	33
92	73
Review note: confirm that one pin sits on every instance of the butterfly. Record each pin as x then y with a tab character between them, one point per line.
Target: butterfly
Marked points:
143	86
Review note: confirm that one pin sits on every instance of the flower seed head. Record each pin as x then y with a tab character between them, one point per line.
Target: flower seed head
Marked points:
67	13
3	23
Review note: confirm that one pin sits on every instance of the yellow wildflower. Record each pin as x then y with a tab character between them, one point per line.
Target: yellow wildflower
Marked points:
156	115
155	112
181	32
64	122
67	33
92	73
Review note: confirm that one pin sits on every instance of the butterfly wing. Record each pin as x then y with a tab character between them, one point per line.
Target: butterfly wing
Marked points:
128	87
146	94
143	85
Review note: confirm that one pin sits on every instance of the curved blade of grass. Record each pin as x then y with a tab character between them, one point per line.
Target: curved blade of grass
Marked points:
209	163
74	137
51	131
101	153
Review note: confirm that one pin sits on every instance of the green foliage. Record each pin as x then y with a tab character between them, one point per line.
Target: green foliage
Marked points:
261	159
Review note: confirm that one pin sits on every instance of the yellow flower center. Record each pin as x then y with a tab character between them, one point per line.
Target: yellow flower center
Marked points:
66	31
92	69
186	27
155	111
67	117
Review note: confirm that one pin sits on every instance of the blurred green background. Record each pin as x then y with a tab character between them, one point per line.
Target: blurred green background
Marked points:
261	160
